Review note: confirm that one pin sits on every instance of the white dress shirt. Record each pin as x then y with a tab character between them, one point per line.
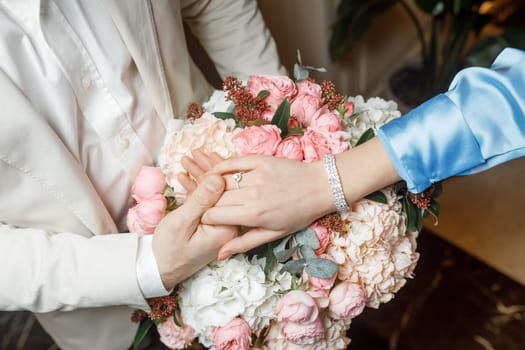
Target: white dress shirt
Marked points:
81	78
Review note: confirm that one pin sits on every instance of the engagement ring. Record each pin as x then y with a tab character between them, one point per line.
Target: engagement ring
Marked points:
237	177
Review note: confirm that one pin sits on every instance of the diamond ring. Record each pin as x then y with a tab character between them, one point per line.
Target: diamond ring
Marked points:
237	177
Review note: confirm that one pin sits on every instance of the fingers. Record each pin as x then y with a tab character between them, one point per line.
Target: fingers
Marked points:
250	240
188	183
239	164
205	196
193	168
230	215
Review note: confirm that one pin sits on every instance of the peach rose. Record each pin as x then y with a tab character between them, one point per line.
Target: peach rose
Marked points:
347	300
149	181
326	120
297	306
173	336
303	333
290	148
146	215
258	140
303	107
236	335
279	88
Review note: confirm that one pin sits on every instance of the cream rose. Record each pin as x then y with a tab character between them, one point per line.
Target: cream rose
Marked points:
207	133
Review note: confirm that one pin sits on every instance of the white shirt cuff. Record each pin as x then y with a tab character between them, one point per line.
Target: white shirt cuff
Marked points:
148	275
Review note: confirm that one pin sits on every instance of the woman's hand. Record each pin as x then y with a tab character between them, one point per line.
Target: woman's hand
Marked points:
275	197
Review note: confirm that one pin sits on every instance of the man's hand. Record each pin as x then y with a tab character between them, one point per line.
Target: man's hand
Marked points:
182	245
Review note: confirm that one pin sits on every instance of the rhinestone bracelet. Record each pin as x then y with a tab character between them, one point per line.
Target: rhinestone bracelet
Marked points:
335	184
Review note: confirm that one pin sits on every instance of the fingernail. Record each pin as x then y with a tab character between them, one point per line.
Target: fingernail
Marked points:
224	255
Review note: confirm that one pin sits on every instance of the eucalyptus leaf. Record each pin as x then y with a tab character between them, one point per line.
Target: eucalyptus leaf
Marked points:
307	253
141	333
307	237
281	116
367	135
224	115
321	268
294	266
377	196
281	246
300	73
286	254
317	69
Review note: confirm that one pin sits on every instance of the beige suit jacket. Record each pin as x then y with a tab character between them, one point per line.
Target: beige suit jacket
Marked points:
82	284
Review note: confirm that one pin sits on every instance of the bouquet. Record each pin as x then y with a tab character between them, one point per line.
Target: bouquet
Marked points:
300	292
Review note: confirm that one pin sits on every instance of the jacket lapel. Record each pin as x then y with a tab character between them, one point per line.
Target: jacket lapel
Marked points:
134	20
30	146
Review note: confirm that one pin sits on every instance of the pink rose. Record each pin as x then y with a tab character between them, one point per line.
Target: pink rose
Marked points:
236	335
303	334
146	215
290	148
278	86
320	296
304	107
297	306
309	87
326	120
258	140
349	109
323	235
347	300
173	336
317	142
149	182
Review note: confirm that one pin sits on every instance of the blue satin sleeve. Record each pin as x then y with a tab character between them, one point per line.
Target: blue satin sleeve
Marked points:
477	124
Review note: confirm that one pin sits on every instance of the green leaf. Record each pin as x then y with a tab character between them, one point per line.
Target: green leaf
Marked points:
321	268
263	93
141	333
300	73
295	131
224	115
294	266
281	116
433	209
270	260
307	237
367	135
377	196
176	321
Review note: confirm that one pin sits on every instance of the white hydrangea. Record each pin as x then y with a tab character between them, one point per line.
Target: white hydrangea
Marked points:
227	289
218	103
376	251
370	114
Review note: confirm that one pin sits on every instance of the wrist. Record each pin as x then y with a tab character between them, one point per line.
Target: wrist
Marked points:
324	203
